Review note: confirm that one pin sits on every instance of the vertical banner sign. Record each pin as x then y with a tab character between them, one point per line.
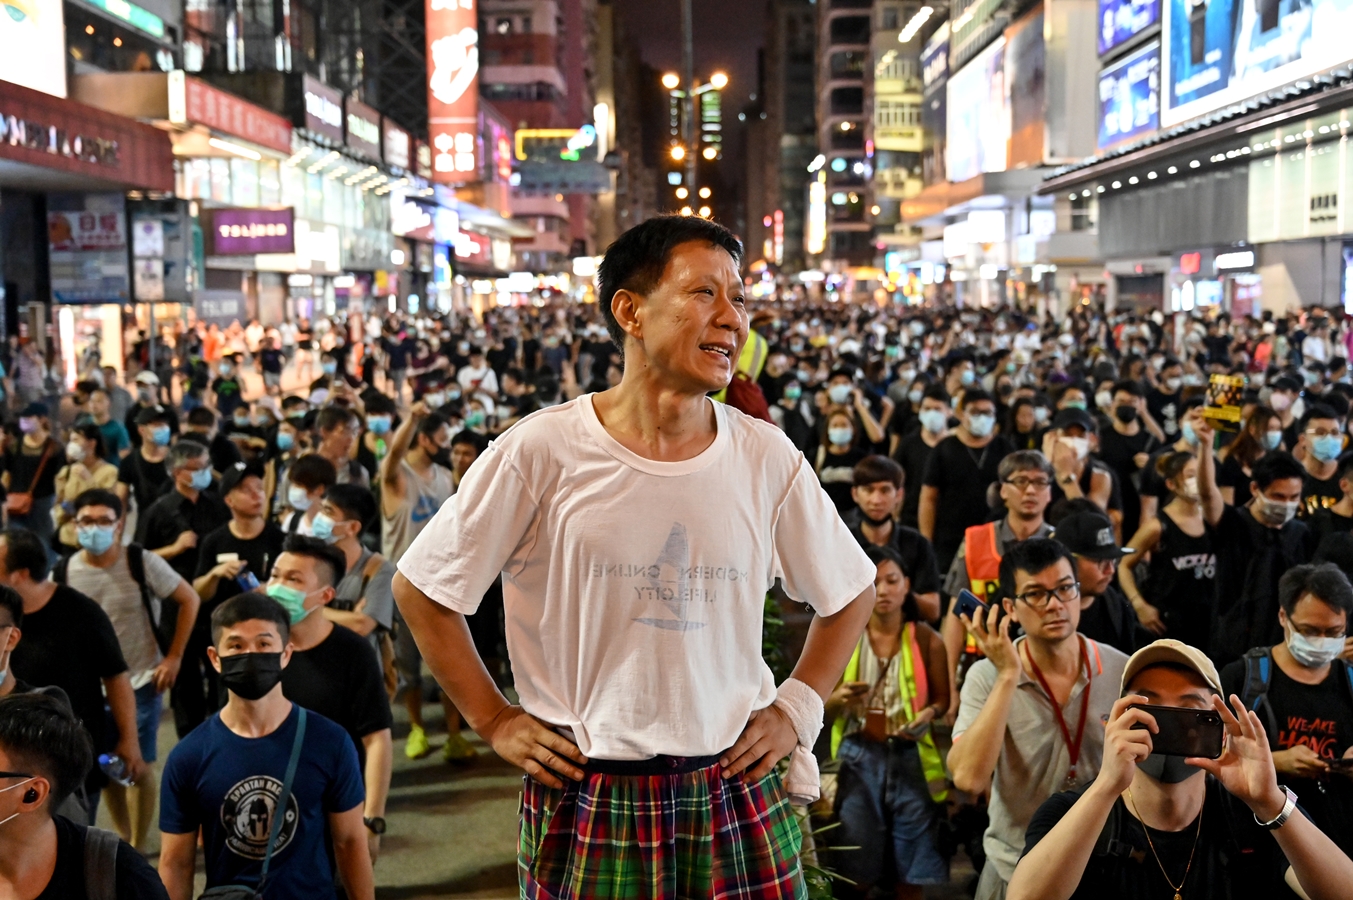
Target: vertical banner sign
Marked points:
453	89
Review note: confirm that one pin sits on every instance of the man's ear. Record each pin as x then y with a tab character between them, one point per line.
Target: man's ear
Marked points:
626	306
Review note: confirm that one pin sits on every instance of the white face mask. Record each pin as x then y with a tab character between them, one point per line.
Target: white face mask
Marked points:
1080	445
75	451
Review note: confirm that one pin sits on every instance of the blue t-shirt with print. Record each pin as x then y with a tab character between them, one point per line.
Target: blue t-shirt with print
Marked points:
229	785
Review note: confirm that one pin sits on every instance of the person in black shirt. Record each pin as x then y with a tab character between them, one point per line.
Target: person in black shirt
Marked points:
398	346
334	671
837	456
142	474
30	470
44	754
1306	701
203	426
1261	433
1164	401
795	417
960	470
247	545
68	642
227	390
1126	446
147	392
1336	519
1165	825
1322	440
914	448
878	491
1106	615
271	361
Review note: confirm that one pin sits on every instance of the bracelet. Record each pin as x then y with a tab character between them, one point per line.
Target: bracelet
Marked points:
1281	819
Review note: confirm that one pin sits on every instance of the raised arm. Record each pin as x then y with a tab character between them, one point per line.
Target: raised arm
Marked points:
1213	506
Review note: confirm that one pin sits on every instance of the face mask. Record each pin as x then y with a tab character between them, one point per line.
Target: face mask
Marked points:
981	425
298	498
475	418
95	538
285	440
28	425
159	435
378	424
328	368
968	377
463	348
292	600
1188	434
1103	399
250	676
1041	415
1272	439
793	392
892	351
1125	414
261	420
1328	447
242	421
442	457
224	369
75	451
1314	652
1167	769
906	376
323	528
1075	404
146	396
201	479
1173	384
10	788
1079	444
1273	513
1189	489
933	420
840	436
839	393
435	401
915	396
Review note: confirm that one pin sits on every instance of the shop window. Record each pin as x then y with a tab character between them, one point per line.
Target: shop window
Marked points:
890	18
1082	213
851	29
848	64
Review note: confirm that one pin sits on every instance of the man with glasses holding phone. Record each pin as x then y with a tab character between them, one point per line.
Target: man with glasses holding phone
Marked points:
1163	828
1303	694
1028	722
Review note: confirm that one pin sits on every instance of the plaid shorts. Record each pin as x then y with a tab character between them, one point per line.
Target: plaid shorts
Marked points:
689	835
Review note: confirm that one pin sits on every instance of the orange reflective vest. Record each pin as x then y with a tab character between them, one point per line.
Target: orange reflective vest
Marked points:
982	560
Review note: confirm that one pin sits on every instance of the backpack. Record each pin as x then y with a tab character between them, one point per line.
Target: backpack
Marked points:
136	563
1258	677
100	864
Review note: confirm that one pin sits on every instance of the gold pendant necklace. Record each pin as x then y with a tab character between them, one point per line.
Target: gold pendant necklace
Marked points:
1147	832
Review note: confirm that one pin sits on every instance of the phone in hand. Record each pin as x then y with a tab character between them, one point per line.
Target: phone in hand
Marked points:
1343	764
1185	732
967	604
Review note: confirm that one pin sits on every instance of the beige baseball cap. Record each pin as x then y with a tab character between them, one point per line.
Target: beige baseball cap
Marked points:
1171	651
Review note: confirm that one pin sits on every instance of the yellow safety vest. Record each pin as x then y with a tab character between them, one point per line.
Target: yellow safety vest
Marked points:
932	765
751	360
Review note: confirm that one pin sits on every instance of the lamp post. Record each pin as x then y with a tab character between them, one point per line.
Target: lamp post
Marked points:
688	151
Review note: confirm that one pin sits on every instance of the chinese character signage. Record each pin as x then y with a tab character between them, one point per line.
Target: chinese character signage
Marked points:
194	101
453	89
363	128
1129	97
398	146
244	232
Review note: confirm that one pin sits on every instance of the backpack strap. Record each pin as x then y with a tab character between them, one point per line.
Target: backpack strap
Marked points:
100	864
280	810
136	564
1108	843
59	570
1258	676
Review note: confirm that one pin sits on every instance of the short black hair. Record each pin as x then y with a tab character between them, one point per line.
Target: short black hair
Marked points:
41	736
357	503
312	471
10	600
876	468
99	497
1032	556
466	436
879	554
378	404
937	392
327	556
201	417
637	259
247	607
1128	386
1317	411
25	550
331	417
1276	466
975	395
431	425
1324	581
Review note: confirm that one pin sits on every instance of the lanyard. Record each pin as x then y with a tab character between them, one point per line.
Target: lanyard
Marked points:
1073	749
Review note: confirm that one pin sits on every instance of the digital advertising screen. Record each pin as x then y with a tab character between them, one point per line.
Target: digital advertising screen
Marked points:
1219	52
33	45
1129	97
978	132
1122	20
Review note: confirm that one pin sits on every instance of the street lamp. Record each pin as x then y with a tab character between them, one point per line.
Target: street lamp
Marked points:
685	210
682	193
704	193
705	212
719	80
709	153
671	81
684	89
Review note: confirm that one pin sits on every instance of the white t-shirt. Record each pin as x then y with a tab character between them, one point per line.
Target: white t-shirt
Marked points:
634	589
119	595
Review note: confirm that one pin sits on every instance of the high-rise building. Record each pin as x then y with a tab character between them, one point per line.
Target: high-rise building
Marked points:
844	63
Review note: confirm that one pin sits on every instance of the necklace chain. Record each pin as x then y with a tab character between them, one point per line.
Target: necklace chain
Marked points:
1147	831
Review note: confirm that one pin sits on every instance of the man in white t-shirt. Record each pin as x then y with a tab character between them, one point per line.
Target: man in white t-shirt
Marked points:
637	532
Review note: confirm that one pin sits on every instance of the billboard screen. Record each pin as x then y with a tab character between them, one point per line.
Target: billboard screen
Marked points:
240	232
453	90
1220	52
33	35
978	131
935	79
1122	20
1129	97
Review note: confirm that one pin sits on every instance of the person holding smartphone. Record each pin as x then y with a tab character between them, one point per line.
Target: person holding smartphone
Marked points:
892	781
1183	826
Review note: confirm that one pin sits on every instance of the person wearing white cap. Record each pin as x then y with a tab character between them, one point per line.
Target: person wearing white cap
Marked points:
1190	828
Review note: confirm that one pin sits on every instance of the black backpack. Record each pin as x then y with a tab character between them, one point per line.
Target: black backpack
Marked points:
136	563
1258	677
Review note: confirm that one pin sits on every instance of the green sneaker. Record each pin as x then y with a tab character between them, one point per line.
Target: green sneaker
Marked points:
417	746
458	750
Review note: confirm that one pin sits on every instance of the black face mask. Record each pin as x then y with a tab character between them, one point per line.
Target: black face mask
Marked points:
442	457
875	522
1125	414
1167	769
251	675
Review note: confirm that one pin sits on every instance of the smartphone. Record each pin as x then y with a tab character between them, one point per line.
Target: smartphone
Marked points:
1185	732
967	604
1340	765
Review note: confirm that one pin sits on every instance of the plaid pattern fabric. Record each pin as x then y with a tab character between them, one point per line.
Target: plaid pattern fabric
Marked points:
659	837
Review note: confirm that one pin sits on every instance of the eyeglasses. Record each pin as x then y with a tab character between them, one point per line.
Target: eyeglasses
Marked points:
1311	632
15	775
1038	598
1023	484
1324	432
90	523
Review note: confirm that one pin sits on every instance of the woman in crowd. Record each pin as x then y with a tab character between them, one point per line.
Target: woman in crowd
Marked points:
1262	433
86	468
837	456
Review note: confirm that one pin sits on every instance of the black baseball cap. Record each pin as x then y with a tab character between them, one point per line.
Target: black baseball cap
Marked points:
1090	534
1071	416
237	473
152	414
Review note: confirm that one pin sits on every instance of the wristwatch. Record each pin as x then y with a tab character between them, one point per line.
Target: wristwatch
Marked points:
375	826
1281	819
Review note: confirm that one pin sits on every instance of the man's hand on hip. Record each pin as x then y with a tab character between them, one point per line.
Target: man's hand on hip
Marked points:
529	744
768	738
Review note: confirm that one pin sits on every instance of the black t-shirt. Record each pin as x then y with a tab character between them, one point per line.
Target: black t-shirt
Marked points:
1250	559
171	515
912	454
836	475
22	463
70	644
1321	717
136	879
341	679
1235	859
260	553
1118	452
397	352
1164	408
1318	493
1111	620
918	557
148	481
1232	474
962	474
229	395
1324	522
272	361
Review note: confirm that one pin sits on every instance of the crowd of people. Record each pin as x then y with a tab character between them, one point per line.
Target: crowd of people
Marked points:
1057	531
